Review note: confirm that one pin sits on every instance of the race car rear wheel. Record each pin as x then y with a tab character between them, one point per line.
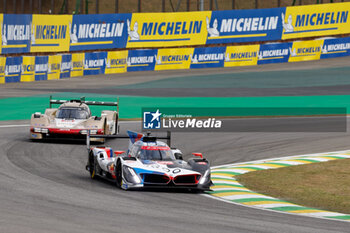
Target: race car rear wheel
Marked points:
92	166
118	174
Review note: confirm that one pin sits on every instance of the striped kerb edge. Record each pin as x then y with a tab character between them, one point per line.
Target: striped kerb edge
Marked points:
228	189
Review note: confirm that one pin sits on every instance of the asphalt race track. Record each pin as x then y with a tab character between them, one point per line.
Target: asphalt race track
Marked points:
44	186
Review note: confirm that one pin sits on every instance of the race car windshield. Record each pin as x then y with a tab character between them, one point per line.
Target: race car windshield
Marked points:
72	113
156	154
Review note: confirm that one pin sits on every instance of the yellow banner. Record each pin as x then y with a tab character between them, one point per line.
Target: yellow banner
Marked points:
50	33
2	69
28	69
77	68
305	50
246	55
116	62
54	67
1	30
174	59
167	29
316	20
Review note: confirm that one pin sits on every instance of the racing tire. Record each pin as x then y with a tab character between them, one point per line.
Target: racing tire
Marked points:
118	174
116	127
92	166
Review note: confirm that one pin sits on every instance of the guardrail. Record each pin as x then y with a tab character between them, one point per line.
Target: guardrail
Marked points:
36	68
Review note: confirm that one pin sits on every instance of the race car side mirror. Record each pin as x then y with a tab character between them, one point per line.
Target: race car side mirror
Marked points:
198	154
178	156
119	152
37	115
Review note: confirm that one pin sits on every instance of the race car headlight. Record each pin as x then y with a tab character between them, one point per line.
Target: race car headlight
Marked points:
205	177
37	130
131	175
44	130
93	131
84	131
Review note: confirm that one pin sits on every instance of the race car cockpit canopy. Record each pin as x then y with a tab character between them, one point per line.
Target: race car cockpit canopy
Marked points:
163	153
72	113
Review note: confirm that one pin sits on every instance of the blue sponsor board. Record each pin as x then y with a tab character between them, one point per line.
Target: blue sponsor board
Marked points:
66	65
139	60
16	33
274	53
95	63
335	48
208	57
105	31
41	67
244	25
13	69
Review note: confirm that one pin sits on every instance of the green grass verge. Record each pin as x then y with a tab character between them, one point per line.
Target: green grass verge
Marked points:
320	185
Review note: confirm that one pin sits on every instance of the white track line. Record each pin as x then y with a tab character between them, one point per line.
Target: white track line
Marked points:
12	126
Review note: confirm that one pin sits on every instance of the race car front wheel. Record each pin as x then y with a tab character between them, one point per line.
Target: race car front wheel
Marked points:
92	166
118	174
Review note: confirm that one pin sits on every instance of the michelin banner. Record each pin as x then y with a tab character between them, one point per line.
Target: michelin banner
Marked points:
49	33
54	69
208	57
95	63
338	47
316	20
13	69
28	69
2	69
16	33
41	67
77	65
141	60
244	26
66	65
305	50
37	68
173	59
92	32
23	33
244	55
274	53
167	29
116	62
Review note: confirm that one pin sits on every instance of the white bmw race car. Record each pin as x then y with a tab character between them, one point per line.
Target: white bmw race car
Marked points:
73	119
149	163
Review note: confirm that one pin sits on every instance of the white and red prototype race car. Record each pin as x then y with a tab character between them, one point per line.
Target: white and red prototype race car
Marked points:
149	163
73	119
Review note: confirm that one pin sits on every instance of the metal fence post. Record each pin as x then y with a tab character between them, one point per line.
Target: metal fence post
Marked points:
97	6
163	5
14	7
139	6
31	6
40	7
201	8
22	7
52	6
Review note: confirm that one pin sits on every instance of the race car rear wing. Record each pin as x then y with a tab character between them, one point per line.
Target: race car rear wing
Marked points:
146	137
82	100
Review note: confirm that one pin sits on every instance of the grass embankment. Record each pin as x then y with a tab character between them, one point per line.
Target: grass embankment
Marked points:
324	185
